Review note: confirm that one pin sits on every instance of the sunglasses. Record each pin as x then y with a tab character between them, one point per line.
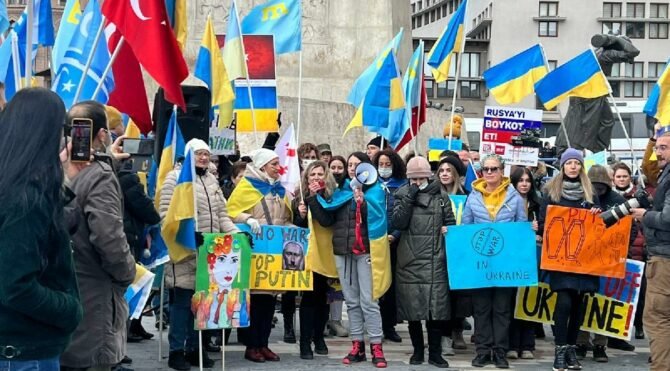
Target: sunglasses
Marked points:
490	169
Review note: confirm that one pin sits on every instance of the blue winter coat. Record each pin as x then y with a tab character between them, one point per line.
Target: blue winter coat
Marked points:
512	210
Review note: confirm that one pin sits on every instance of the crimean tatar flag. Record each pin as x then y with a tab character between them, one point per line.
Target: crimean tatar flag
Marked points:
210	69
579	77
68	26
513	79
658	104
281	18
413	84
450	42
138	292
179	225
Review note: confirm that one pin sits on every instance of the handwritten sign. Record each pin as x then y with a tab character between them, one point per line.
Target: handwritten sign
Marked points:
610	312
502	125
577	241
491	255
278	258
458	205
221	298
222	140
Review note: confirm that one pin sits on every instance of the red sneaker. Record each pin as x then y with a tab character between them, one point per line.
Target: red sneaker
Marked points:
378	355
357	353
269	355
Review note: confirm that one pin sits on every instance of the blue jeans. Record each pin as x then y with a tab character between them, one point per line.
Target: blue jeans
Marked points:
52	364
181	335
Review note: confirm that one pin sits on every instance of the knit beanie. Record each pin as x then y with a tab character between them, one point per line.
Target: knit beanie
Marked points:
197	145
418	167
571	154
377	142
261	157
598	174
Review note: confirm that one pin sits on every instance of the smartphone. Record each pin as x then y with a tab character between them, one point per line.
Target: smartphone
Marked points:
143	147
82	139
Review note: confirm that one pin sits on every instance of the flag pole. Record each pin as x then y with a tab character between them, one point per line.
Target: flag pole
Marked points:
108	68
408	105
414	134
15	61
29	43
558	109
458	72
246	74
297	131
160	321
89	61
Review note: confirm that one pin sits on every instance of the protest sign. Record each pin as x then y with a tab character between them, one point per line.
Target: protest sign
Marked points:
457	205
577	241
598	158
438	145
503	127
221	297
491	255
278	258
222	140
609	312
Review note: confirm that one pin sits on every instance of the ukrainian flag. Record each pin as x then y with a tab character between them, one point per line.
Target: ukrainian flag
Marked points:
514	79
179	225
450	42
176	10
380	255
249	191
172	147
384	104
210	69
658	104
579	77
233	50
363	82
281	18
132	131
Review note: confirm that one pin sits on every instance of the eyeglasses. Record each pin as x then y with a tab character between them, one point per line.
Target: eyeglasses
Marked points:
490	169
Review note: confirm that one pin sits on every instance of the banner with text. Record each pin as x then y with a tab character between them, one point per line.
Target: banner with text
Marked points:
610	312
491	255
278	258
503	132
577	241
222	140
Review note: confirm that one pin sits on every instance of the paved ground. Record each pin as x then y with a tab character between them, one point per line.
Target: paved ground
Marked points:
145	355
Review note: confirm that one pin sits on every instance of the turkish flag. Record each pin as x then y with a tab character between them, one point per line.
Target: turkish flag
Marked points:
146	28
129	94
418	116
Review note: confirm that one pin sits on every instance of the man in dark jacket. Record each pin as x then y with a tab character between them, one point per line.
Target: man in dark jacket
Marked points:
656	224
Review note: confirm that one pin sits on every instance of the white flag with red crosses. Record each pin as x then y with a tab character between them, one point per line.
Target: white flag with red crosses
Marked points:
287	150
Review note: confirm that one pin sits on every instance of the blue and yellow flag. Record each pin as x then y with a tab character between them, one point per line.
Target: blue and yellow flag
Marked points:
173	147
658	104
450	42
138	292
249	191
233	49
210	69
579	77
176	10
514	79
363	82
384	104
179	225
380	255
281	18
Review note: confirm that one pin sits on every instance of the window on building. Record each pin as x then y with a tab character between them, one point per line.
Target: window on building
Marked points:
420	4
548	9
633	89
655	69
470	65
444	10
552	64
612	28
635	10
635	30
429	88
616	70
413	8
413	23
549	28
616	88
438	13
16	2
450	88
611	10
658	10
658	30
451	6
426	18
432	15
442	89
635	69
470	89
418	21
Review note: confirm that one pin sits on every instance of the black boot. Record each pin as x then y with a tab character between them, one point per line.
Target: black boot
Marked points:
194	359
416	337
559	358
177	361
289	332
321	314
306	318
571	358
435	348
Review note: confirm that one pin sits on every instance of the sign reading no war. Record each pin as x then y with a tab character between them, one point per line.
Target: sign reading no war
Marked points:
491	255
278	258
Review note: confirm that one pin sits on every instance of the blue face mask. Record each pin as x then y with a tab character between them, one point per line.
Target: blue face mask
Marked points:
477	165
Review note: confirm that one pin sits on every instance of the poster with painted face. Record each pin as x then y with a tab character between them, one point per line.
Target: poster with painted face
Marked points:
221	297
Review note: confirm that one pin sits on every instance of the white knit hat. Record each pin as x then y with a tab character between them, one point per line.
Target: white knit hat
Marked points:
196	145
261	157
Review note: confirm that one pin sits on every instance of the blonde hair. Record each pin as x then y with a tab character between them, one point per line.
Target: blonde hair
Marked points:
331	183
554	187
455	187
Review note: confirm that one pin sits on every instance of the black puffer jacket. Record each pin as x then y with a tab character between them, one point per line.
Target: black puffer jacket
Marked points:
422	285
343	222
138	211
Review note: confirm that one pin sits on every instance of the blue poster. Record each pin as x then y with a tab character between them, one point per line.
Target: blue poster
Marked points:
491	255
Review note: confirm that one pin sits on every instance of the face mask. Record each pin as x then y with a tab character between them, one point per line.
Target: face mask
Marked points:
339	178
385	172
477	165
306	163
423	186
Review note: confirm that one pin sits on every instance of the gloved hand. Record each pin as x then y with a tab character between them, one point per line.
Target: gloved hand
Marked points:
255	225
199	239
250	238
412	192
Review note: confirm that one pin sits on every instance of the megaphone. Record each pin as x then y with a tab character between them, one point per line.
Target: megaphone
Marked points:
366	174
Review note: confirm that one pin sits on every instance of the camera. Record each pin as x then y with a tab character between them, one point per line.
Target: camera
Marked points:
641	199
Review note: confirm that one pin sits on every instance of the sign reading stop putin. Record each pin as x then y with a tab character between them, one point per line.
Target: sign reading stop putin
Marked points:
577	241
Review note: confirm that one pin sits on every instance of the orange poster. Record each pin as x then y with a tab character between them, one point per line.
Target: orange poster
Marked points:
577	241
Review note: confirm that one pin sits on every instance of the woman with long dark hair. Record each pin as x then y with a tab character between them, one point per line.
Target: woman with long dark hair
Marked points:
39	298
